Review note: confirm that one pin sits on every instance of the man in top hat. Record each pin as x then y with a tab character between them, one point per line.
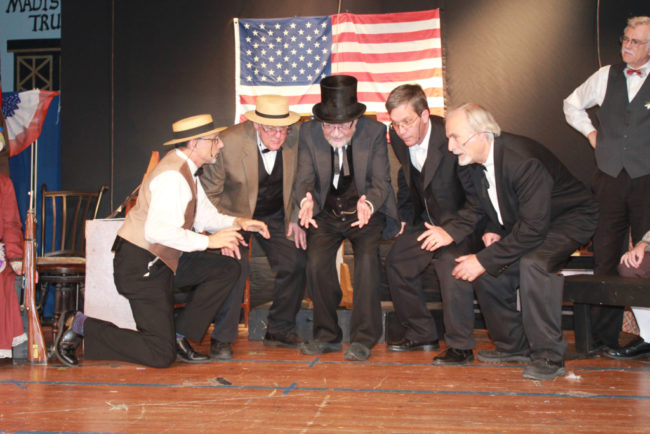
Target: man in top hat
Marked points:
622	148
344	191
160	246
253	177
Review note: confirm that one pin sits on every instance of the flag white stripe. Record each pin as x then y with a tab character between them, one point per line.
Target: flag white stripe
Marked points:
378	68
387	48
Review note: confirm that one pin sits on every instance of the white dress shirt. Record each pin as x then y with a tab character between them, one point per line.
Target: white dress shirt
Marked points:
418	152
268	157
592	93
491	178
170	195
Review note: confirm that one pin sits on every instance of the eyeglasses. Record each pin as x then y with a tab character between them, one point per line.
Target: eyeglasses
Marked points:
268	129
404	125
634	42
462	145
343	127
214	141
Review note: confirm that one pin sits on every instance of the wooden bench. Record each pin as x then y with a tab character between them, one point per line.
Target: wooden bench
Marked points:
584	290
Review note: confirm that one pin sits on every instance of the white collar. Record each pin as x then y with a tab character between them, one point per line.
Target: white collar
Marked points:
193	167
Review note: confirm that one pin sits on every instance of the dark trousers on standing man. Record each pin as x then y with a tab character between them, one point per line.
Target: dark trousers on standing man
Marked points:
624	206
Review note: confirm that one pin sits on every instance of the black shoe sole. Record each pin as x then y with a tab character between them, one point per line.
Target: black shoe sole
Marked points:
636	356
418	348
442	362
559	373
185	360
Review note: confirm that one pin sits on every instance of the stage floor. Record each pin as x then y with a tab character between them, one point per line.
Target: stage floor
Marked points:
266	389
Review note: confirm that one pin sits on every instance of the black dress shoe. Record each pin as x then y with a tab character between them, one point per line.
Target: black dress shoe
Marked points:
185	352
220	350
409	345
636	349
453	356
67	340
292	340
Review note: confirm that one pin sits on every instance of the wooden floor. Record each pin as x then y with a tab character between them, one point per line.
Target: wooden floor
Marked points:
279	390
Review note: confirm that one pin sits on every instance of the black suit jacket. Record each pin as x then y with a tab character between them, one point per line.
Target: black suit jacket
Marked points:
536	192
443	193
370	162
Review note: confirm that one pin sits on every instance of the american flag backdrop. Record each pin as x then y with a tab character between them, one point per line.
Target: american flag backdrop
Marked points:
289	56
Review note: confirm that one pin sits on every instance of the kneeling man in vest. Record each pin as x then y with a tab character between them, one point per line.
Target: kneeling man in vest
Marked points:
161	246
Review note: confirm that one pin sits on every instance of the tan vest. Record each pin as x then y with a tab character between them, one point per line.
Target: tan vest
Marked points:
133	228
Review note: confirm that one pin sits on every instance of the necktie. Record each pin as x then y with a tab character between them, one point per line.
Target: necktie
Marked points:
198	172
337	165
265	150
630	71
484	181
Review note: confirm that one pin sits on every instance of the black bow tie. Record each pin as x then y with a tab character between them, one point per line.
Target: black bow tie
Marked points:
265	150
198	172
484	181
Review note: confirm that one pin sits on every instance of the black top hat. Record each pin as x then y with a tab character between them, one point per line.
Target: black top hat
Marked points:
338	100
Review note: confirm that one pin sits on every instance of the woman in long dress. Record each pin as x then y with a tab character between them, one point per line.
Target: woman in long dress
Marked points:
12	332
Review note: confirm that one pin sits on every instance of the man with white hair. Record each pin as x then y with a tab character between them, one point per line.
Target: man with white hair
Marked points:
253	178
538	214
621	142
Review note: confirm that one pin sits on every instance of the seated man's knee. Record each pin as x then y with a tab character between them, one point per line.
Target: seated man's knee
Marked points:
535	260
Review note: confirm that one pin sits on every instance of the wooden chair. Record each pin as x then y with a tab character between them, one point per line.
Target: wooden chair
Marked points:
61	261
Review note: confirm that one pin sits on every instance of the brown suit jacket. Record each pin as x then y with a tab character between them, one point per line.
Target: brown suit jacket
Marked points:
232	182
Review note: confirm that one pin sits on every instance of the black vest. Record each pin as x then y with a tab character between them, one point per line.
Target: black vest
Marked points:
417	190
345	197
269	189
623	140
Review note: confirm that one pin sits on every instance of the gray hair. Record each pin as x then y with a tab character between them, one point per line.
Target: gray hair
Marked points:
478	118
637	21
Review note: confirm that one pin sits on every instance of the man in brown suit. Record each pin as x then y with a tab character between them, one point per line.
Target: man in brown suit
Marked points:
253	177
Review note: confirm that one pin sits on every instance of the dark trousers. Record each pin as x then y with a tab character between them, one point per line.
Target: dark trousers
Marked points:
404	266
624	206
538	325
149	289
288	264
365	325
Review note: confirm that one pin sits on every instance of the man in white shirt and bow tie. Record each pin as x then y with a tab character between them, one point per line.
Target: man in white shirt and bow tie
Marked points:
622	146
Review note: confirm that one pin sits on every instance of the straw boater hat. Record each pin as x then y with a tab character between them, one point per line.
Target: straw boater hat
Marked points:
191	128
338	100
272	110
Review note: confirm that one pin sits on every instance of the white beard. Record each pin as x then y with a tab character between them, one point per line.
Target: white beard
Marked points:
337	145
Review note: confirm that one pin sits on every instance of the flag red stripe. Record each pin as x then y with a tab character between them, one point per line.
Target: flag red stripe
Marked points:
381	58
361	96
386	18
386	38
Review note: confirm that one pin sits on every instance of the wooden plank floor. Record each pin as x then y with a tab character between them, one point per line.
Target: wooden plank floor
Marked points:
272	389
